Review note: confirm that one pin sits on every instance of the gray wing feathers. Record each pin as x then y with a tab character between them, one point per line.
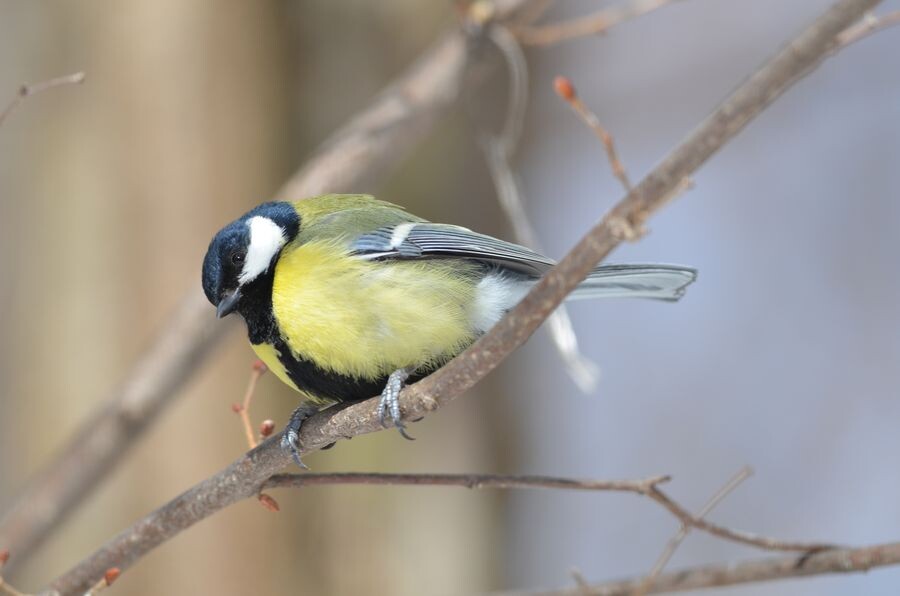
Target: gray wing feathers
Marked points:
415	240
428	240
379	245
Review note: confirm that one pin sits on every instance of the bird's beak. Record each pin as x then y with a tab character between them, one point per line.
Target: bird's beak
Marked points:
228	303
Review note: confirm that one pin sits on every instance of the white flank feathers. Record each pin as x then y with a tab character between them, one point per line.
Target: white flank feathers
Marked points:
494	295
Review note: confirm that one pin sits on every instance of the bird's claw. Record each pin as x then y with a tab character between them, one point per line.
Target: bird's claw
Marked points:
290	439
390	402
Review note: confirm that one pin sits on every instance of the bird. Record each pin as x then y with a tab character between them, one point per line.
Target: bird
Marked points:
346	297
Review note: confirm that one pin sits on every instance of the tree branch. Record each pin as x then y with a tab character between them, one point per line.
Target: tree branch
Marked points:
29	89
498	149
846	560
685	529
648	487
592	24
245	476
354	157
641	487
867	26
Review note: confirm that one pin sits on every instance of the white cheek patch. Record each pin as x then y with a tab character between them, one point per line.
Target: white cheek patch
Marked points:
266	239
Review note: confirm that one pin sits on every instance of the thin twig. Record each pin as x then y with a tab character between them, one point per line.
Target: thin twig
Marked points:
648	487
532	12
471	481
518	88
579	579
243	409
592	24
5	588
498	151
104	582
867	26
27	90
698	523
566	90
8	590
685	529
265	430
244	477
357	155
362	151
847	560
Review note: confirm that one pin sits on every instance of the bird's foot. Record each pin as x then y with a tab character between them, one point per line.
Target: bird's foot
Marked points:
290	439
390	401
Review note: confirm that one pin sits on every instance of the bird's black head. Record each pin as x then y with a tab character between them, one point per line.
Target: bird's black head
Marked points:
244	251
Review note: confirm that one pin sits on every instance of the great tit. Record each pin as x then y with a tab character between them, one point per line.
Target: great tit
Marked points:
346	296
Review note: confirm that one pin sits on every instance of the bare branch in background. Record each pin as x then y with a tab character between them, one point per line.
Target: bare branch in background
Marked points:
685	529
498	151
847	560
471	481
566	90
27	90
532	12
9	590
356	156
5	588
648	487
592	24
699	523
867	26
243	409
580	581
266	428
244	477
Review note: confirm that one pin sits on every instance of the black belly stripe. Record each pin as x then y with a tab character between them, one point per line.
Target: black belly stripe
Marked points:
325	384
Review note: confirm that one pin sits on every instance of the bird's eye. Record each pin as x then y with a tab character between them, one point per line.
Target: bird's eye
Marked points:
237	258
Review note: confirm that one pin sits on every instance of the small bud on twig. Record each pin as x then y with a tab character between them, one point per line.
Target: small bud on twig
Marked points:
257	370
111	575
564	88
269	502
266	428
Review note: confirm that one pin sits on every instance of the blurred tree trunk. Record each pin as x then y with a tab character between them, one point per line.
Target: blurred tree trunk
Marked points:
192	113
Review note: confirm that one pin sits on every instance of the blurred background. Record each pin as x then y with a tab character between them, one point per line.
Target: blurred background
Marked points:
784	355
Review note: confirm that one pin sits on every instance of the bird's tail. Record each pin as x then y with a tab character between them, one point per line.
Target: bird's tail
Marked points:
660	282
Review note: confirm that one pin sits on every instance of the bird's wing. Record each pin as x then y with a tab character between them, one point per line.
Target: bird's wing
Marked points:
423	240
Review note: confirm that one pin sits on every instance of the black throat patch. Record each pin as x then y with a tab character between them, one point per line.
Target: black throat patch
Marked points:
255	307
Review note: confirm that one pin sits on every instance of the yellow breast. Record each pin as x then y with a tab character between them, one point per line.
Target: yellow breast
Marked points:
366	319
269	355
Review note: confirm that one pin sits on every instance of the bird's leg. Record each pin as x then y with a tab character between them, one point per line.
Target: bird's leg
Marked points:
390	400
290	440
